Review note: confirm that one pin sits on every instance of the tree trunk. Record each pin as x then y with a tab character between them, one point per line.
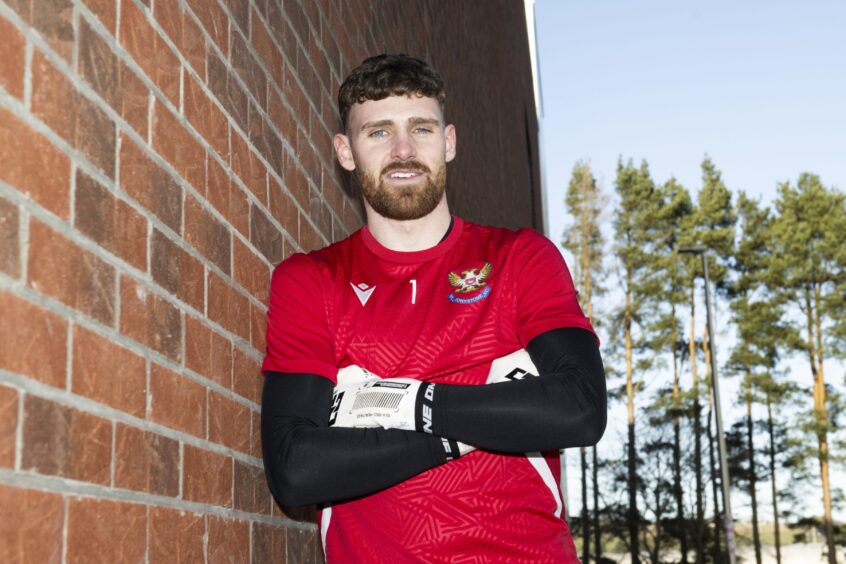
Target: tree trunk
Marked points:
773	479
756	537
585	513
821	414
677	488
633	517
597	536
697	433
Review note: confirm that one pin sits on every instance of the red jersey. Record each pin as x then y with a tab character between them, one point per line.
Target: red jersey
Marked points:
441	315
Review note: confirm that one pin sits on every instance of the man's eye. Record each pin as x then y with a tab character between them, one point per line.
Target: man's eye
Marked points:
378	133
422	130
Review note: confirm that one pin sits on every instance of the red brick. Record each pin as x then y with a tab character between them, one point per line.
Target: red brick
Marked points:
106	11
240	14
229	540
266	237
208	353
176	401
227	198
265	47
10	259
72	116
301	545
206	118
146	461
176	271
247	68
176	537
208	235
12	54
108	373
54	21
248	167
150	319
228	307
97	63
251	493
295	182
34	342
133	99
309	238
30	163
8	426
206	476
61	269
268	543
258	326
113	531
178	147
251	272
283	209
30	526
184	33
110	222
281	118
214	20
61	441
149	50
229	422
247	378
255	434
149	185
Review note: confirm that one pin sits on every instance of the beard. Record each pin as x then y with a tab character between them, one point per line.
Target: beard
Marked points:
404	202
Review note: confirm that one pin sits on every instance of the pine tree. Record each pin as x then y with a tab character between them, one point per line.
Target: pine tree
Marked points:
584	202
635	233
808	267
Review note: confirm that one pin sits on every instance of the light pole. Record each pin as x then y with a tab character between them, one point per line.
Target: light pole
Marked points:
728	522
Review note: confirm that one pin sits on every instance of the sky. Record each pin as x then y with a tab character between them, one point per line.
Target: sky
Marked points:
758	86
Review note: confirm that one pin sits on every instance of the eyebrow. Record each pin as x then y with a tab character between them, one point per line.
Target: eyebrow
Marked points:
412	121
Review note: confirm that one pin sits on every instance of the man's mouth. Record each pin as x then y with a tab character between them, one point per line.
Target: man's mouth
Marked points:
404	174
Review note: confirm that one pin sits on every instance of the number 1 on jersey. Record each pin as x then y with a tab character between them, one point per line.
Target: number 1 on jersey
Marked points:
413	283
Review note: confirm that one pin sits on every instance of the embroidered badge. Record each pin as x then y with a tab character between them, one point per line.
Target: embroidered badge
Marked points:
470	281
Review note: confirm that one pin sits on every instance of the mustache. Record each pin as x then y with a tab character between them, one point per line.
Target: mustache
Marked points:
414	165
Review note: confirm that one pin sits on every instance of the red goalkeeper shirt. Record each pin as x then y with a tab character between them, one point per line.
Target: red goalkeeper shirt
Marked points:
441	315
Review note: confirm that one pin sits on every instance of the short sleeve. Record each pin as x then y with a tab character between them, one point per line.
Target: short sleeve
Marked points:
298	335
545	296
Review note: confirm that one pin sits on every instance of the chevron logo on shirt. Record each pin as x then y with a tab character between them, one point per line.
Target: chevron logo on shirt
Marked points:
363	292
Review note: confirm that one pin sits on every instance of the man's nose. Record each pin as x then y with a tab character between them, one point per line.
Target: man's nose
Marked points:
403	148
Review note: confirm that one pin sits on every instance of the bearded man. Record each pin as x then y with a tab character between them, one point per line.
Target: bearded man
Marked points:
422	374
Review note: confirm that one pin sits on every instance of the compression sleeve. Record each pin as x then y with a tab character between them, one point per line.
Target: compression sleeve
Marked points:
307	462
564	407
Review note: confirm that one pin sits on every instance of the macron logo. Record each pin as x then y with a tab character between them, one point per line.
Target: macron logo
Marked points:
363	292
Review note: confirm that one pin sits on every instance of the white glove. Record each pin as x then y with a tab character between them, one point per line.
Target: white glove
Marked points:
515	366
362	399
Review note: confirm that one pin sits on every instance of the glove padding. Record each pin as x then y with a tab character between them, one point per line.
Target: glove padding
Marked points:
362	399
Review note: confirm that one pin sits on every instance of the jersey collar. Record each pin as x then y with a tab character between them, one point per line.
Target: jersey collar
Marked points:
414	256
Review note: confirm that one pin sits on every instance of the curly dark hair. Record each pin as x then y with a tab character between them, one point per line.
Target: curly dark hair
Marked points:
389	75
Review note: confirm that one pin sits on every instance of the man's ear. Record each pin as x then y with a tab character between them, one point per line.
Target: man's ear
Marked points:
449	134
343	151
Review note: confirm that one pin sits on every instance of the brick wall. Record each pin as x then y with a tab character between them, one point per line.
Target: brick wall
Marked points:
157	159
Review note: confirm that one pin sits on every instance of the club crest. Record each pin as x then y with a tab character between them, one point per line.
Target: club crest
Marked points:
470	281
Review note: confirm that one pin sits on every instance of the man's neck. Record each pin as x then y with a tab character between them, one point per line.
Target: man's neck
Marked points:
411	235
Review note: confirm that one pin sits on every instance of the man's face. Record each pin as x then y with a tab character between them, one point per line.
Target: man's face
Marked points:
398	148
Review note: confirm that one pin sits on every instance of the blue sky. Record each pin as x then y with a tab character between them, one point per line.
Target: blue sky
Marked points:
758	86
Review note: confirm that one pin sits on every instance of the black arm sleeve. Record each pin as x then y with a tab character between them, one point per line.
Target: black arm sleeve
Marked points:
564	407
307	462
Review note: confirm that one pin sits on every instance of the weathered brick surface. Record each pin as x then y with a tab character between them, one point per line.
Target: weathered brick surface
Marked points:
106	530
176	537
163	157
108	373
30	525
177	401
62	441
8	426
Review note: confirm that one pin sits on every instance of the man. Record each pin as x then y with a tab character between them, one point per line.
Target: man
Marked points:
427	302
